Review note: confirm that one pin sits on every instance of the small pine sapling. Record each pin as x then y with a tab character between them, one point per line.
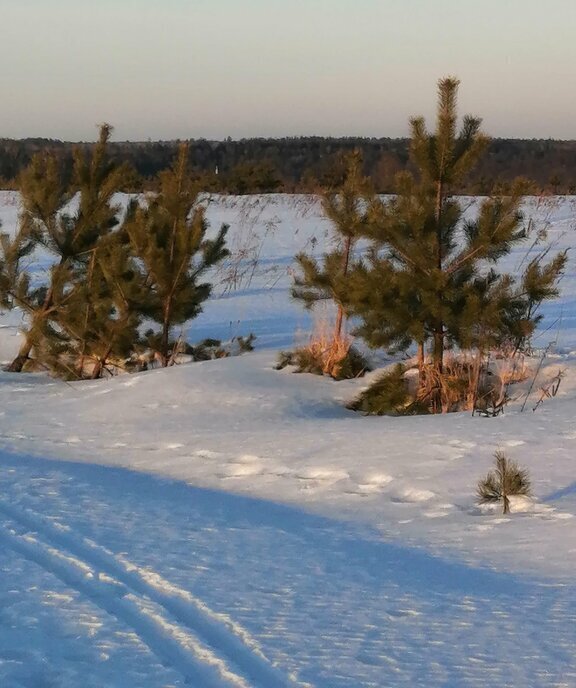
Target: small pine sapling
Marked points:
506	480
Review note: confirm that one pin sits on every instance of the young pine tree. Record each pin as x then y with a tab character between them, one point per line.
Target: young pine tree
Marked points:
70	238
426	277
168	236
506	480
99	319
345	207
43	195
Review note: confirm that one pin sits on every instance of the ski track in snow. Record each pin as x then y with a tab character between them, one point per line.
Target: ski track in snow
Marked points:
200	643
227	591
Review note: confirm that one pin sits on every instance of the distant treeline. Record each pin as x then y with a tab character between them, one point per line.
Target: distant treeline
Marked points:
305	164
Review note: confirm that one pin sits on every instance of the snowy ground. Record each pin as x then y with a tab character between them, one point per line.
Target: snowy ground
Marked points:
224	524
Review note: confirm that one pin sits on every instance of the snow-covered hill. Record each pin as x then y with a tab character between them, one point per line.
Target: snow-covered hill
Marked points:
264	536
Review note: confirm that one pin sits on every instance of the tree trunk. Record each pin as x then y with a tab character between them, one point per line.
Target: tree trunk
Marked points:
339	321
420	362
438	351
477	370
26	347
100	363
164	342
345	263
438	364
20	361
420	357
97	370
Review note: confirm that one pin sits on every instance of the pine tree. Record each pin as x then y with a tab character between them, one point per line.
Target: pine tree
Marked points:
100	316
43	195
70	237
345	207
168	236
426	277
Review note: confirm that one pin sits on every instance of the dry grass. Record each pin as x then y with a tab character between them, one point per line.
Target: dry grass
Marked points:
457	387
326	353
472	382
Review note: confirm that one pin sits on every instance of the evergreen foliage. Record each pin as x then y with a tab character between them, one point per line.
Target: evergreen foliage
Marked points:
387	395
506	480
429	275
109	272
99	319
345	207
65	311
43	196
168	236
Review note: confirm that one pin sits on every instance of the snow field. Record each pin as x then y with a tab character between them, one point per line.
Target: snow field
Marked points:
262	535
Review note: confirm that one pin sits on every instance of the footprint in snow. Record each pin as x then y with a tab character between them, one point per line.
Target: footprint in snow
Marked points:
462	444
450	451
513	443
207	454
241	470
411	495
247	458
371	484
441	511
131	381
320	478
323	474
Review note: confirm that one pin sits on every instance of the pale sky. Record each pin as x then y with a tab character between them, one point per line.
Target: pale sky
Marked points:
165	69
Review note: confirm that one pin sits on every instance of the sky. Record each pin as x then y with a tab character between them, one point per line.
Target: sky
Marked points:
165	69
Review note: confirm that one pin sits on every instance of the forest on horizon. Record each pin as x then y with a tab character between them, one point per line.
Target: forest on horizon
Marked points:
307	164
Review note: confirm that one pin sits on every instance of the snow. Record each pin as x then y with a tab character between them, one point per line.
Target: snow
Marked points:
225	524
